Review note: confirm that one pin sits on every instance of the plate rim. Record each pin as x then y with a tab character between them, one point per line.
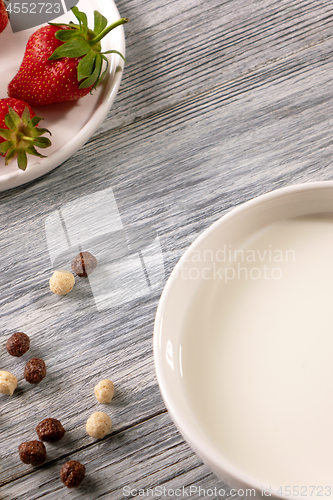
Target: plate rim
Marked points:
19	177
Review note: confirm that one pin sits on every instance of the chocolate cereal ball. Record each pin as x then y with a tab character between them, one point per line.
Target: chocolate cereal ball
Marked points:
50	429
18	344
32	452
72	473
35	371
84	264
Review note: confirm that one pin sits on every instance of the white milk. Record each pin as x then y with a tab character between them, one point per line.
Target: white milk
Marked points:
257	356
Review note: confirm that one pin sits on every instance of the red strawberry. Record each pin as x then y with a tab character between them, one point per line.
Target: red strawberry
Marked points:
19	133
62	62
3	16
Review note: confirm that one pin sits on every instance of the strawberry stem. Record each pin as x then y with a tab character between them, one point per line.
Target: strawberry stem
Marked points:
83	43
107	30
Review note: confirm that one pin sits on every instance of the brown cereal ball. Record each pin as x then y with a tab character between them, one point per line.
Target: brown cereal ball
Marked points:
72	473
8	383
61	282
84	264
35	371
18	344
104	391
32	452
98	425
50	429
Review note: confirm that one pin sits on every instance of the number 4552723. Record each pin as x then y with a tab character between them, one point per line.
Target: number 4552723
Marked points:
305	491
34	8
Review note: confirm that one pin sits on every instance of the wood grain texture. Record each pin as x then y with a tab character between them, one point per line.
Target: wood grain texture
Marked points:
220	102
147	450
184	50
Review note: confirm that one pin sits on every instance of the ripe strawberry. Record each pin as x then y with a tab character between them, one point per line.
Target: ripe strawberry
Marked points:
19	133
62	62
3	16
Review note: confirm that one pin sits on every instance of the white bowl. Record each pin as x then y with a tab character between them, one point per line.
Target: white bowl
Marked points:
243	344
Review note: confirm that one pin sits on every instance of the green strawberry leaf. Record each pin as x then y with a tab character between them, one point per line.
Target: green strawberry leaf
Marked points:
70	25
14	116
4	146
106	69
22	160
72	48
82	18
86	65
5	133
100	22
12	119
93	79
40	131
11	153
25	116
65	35
32	151
115	52
42	142
35	120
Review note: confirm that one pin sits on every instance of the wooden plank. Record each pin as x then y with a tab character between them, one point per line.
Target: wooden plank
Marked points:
149	460
184	48
215	108
224	154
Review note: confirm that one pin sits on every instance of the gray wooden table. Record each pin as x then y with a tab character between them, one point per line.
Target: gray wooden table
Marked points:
221	101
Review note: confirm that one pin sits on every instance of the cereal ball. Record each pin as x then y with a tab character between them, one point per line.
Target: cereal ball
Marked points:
8	383
104	391
32	452
62	282
84	264
18	344
72	473
98	425
50	429
35	371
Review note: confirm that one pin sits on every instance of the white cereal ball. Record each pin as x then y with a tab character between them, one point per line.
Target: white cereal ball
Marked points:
8	383
98	425
62	282
104	391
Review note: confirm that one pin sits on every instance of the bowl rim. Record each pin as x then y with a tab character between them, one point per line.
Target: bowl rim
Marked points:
201	445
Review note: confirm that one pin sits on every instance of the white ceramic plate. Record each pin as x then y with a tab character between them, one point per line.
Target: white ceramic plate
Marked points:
243	344
71	124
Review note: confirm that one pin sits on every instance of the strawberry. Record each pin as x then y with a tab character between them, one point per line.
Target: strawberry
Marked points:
63	62
3	16
19	133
